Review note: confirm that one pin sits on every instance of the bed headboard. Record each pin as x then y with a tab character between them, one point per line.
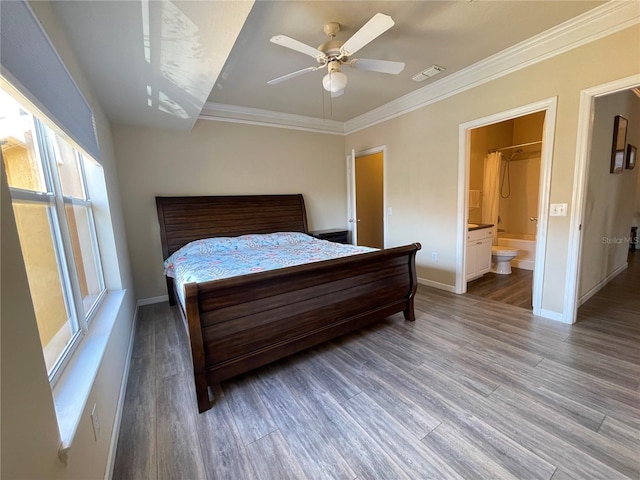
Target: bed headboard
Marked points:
185	219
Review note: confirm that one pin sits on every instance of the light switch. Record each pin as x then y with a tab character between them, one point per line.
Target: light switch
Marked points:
558	210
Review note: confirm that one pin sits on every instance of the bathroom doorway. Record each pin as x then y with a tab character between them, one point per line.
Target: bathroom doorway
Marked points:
507	158
516	147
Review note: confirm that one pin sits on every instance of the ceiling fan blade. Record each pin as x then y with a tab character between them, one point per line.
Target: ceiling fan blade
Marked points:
292	75
382	66
293	44
375	27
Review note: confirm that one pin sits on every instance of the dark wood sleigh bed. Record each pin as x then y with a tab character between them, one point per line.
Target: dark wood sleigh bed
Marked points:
240	323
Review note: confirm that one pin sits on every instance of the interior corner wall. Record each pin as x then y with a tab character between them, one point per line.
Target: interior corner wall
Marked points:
30	438
422	153
609	206
221	158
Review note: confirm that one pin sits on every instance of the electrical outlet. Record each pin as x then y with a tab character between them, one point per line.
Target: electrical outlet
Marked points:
558	210
95	421
434	256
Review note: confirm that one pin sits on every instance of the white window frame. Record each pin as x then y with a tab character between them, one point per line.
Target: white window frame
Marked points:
53	198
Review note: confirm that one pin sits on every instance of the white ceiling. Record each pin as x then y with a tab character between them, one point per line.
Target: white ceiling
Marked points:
152	63
186	61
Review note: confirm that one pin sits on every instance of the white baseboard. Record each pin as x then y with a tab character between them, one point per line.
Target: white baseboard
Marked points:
438	285
151	300
551	315
115	433
524	264
601	284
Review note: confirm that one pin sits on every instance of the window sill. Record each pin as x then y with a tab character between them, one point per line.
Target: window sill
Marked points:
72	390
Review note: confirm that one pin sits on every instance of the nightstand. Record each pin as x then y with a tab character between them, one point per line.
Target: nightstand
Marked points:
337	235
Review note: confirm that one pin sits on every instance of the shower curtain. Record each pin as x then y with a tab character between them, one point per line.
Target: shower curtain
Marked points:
490	191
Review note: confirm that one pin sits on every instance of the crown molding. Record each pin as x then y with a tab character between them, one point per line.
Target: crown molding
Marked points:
597	23
256	116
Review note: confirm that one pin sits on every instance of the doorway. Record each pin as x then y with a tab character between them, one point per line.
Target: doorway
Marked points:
574	297
548	109
504	186
366	174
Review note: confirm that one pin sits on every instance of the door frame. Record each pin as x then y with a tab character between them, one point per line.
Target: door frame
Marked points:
351	191
549	106
580	178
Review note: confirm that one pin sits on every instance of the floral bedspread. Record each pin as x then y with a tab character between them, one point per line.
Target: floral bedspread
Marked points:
224	257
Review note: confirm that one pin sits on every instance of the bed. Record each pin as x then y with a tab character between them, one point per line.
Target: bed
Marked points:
240	323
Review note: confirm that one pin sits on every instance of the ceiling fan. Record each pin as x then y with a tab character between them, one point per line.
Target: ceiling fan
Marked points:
335	53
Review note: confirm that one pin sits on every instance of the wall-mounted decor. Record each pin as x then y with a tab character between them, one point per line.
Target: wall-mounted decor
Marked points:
632	153
619	144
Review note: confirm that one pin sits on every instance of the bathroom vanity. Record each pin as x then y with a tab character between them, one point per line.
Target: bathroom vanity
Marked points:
479	240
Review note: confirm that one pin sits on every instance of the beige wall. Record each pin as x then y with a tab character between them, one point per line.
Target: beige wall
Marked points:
422	164
219	158
422	152
226	158
30	437
609	206
482	140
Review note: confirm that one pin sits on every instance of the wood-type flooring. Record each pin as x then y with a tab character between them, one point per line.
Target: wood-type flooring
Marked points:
515	289
474	389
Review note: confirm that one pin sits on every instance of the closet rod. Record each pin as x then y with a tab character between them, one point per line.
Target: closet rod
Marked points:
514	146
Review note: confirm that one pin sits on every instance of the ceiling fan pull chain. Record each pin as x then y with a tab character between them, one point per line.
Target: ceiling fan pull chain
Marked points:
324	117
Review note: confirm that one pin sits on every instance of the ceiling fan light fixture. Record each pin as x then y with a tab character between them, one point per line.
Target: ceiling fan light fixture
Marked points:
335	53
334	81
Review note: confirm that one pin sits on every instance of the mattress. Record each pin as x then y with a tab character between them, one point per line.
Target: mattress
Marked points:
225	257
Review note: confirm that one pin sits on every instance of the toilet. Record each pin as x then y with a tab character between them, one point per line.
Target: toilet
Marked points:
501	259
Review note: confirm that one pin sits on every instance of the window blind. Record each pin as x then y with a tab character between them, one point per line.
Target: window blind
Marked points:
32	65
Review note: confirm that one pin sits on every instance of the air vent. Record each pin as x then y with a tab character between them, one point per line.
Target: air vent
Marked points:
432	71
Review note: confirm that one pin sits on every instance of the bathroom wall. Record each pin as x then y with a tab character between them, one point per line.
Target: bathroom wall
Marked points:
482	140
522	204
524	177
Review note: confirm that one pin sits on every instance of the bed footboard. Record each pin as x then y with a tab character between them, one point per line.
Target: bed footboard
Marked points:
241	323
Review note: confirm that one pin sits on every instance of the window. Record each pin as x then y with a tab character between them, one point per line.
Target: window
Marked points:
52	206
